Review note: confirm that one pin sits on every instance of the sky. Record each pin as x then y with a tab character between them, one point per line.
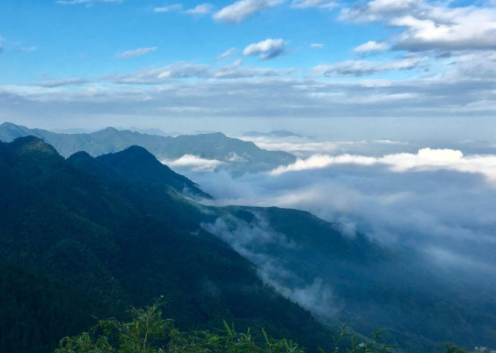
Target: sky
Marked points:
366	69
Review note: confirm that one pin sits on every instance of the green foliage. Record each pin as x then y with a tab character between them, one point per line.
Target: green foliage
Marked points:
147	332
36	312
454	349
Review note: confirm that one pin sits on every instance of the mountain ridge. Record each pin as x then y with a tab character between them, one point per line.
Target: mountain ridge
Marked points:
237	156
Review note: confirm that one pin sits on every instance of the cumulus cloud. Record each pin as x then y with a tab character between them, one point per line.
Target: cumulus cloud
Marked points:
75	2
193	163
136	52
243	9
28	49
225	54
303	4
371	46
448	29
267	49
62	82
169	8
316	45
201	9
357	68
378	10
425	26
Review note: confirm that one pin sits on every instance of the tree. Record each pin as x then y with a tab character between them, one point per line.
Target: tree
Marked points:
147	332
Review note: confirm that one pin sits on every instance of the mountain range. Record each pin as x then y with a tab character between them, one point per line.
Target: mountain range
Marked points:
236	156
86	236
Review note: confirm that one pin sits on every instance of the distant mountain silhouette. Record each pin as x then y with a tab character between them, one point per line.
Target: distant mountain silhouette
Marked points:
239	156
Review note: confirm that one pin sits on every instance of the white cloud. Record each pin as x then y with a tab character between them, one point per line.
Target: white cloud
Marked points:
136	52
237	70
378	10
75	2
357	68
201	9
323	161
183	70
435	198
303	4
425	160
194	163
159	75
431	26
243	9
169	8
62	82
225	54
468	28
316	45
464	88
267	49
295	145
28	49
371	46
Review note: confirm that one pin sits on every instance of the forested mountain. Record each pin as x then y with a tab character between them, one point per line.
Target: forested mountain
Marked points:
76	243
356	281
237	156
89	236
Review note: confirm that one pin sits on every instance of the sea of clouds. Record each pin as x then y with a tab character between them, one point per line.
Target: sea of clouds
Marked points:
438	200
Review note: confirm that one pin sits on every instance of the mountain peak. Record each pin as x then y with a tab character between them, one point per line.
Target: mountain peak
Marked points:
81	155
8	124
137	154
110	129
136	164
30	144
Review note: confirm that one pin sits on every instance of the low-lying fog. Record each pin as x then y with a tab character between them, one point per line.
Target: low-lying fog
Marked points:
439	199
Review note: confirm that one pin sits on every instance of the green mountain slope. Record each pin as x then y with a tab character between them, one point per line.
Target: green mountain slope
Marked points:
34	311
238	156
122	241
367	285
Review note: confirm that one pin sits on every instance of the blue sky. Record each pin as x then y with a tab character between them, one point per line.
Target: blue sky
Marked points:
149	62
80	40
